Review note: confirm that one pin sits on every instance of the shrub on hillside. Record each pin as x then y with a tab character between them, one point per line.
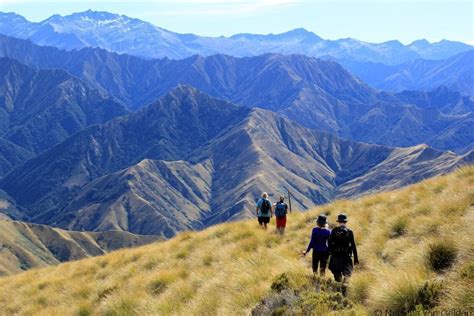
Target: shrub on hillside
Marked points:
441	255
281	283
429	294
301	294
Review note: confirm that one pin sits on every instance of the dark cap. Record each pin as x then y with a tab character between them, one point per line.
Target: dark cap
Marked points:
342	218
322	219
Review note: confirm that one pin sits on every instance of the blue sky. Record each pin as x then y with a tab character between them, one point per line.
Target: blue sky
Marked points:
369	20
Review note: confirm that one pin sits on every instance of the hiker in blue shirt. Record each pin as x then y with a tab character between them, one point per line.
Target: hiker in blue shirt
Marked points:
319	244
264	210
280	210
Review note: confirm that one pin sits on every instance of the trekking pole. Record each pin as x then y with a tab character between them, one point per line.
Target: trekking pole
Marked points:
289	199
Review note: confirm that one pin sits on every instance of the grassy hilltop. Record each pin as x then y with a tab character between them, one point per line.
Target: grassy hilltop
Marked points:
415	246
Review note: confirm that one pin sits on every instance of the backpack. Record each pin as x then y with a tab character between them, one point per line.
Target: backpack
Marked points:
340	241
280	209
265	207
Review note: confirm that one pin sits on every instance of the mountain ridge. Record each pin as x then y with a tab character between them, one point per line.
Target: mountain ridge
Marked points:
455	72
112	173
73	32
27	245
316	93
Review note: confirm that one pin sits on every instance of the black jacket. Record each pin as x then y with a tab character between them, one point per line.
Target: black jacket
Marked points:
347	249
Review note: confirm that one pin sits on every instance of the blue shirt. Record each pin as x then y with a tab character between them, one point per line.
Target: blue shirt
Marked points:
259	206
319	239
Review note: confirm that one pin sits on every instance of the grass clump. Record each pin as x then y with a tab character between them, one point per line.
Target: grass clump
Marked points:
441	255
106	292
405	295
360	287
399	227
157	287
123	306
467	271
83	311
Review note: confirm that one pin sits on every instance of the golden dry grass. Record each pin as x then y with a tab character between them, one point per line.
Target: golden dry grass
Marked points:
228	268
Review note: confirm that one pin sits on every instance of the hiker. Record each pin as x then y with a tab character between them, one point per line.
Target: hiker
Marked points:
341	249
281	209
319	244
264	210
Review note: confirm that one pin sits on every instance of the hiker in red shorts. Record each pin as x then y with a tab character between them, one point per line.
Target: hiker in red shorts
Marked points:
281	210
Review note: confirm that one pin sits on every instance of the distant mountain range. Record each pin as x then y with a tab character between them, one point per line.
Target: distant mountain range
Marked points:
315	93
122	34
456	73
189	161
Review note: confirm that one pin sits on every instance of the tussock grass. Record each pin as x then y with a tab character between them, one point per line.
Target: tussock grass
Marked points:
404	236
441	255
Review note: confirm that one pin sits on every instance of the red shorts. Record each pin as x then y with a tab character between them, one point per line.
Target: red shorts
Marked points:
281	222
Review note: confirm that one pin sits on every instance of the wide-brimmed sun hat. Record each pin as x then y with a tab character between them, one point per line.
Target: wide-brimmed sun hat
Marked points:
342	218
322	219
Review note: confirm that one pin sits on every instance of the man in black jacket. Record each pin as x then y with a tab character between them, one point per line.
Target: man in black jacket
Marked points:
341	248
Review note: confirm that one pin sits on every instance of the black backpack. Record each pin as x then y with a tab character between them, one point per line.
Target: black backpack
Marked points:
341	241
265	207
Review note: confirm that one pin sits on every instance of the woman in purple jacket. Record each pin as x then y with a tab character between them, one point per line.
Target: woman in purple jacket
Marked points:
319	244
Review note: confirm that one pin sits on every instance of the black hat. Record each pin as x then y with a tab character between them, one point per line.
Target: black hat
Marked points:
322	220
342	218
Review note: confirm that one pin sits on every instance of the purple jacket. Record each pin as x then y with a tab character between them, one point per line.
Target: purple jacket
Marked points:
319	239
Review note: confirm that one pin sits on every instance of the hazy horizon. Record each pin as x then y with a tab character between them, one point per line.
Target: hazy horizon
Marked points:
369	20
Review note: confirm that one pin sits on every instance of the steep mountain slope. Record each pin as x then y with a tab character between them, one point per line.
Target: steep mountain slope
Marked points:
25	245
8	207
229	268
150	197
456	73
219	157
122	34
40	108
315	93
12	156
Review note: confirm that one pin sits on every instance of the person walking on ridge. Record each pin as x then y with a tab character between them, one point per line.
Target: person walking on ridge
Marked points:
319	243
342	248
264	210
281	209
